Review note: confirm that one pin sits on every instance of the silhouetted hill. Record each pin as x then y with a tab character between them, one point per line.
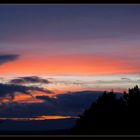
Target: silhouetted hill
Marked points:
111	115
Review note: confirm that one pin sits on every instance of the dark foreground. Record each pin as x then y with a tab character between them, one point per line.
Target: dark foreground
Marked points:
44	127
108	115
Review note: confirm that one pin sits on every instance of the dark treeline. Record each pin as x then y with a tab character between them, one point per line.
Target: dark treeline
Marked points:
111	115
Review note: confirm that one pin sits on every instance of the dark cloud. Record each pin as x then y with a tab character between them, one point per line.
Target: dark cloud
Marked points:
11	89
29	79
73	101
8	58
77	82
45	98
69	104
122	80
126	79
66	104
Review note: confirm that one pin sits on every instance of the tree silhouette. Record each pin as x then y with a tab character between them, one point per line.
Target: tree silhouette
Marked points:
111	115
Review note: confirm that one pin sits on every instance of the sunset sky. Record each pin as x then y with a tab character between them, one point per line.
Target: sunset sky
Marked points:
74	47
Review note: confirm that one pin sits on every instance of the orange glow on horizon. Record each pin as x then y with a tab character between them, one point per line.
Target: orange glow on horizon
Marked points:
72	64
24	98
41	118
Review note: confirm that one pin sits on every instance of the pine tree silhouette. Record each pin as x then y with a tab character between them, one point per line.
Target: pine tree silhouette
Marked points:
111	115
